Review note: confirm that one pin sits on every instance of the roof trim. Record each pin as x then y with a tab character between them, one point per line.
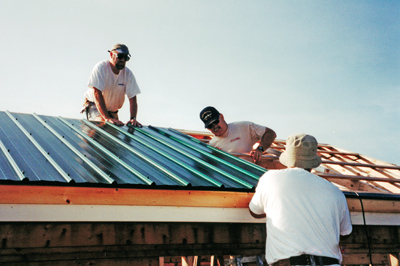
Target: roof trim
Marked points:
17	194
106	213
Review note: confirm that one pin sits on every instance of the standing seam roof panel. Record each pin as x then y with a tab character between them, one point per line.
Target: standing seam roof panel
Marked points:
95	152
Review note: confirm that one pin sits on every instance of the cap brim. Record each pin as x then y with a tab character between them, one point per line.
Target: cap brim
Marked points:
122	51
210	122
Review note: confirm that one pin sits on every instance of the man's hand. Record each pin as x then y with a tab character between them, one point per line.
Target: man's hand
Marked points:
256	154
134	123
114	121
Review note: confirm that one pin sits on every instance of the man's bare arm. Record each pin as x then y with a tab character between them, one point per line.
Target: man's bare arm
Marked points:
133	107
266	140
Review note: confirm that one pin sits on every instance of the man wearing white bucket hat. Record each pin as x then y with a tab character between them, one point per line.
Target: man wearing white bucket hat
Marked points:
305	214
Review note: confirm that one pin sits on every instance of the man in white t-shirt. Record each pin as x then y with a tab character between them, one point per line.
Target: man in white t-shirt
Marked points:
108	84
237	137
305	214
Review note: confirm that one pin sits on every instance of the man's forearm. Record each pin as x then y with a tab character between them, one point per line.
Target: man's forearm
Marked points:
267	139
133	107
100	103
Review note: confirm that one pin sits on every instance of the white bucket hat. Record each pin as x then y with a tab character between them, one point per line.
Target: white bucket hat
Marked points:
301	151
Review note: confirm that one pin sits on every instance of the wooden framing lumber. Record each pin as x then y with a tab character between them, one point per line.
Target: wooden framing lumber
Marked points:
73	244
394	167
366	178
60	195
21	194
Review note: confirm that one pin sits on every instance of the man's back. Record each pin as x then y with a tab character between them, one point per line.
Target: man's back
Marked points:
305	214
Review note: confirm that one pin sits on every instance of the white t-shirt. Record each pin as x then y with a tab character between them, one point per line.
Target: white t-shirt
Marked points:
239	137
114	87
306	214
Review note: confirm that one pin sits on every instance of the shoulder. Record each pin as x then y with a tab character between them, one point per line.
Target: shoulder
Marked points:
287	172
127	73
104	63
272	174
248	124
295	177
317	182
239	124
268	179
101	66
213	140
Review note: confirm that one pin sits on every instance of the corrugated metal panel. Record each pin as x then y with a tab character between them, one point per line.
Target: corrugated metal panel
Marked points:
45	148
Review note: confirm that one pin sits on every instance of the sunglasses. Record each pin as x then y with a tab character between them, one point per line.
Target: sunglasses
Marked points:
210	126
123	56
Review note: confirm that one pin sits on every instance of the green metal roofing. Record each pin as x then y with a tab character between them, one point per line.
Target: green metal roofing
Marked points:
55	149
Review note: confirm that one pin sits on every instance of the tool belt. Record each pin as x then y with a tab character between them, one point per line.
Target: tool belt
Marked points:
312	260
87	104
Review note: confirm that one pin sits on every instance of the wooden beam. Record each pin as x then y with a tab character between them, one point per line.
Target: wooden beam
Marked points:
353	177
373	205
282	147
363	259
144	243
392	167
338	153
13	194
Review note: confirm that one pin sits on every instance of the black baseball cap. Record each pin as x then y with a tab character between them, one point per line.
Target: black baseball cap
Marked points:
209	115
120	48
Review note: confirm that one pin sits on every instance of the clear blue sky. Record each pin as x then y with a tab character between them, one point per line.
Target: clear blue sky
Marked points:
327	68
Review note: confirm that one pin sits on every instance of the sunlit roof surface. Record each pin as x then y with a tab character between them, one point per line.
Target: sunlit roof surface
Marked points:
54	149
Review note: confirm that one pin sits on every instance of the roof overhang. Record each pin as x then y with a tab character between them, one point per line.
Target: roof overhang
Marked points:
20	203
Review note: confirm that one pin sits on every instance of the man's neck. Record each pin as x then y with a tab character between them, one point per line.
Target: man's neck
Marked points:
114	69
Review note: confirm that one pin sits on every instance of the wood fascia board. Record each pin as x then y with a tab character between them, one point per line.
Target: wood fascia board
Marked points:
373	205
16	194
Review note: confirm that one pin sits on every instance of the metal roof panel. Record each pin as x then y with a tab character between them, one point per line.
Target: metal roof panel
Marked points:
46	148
